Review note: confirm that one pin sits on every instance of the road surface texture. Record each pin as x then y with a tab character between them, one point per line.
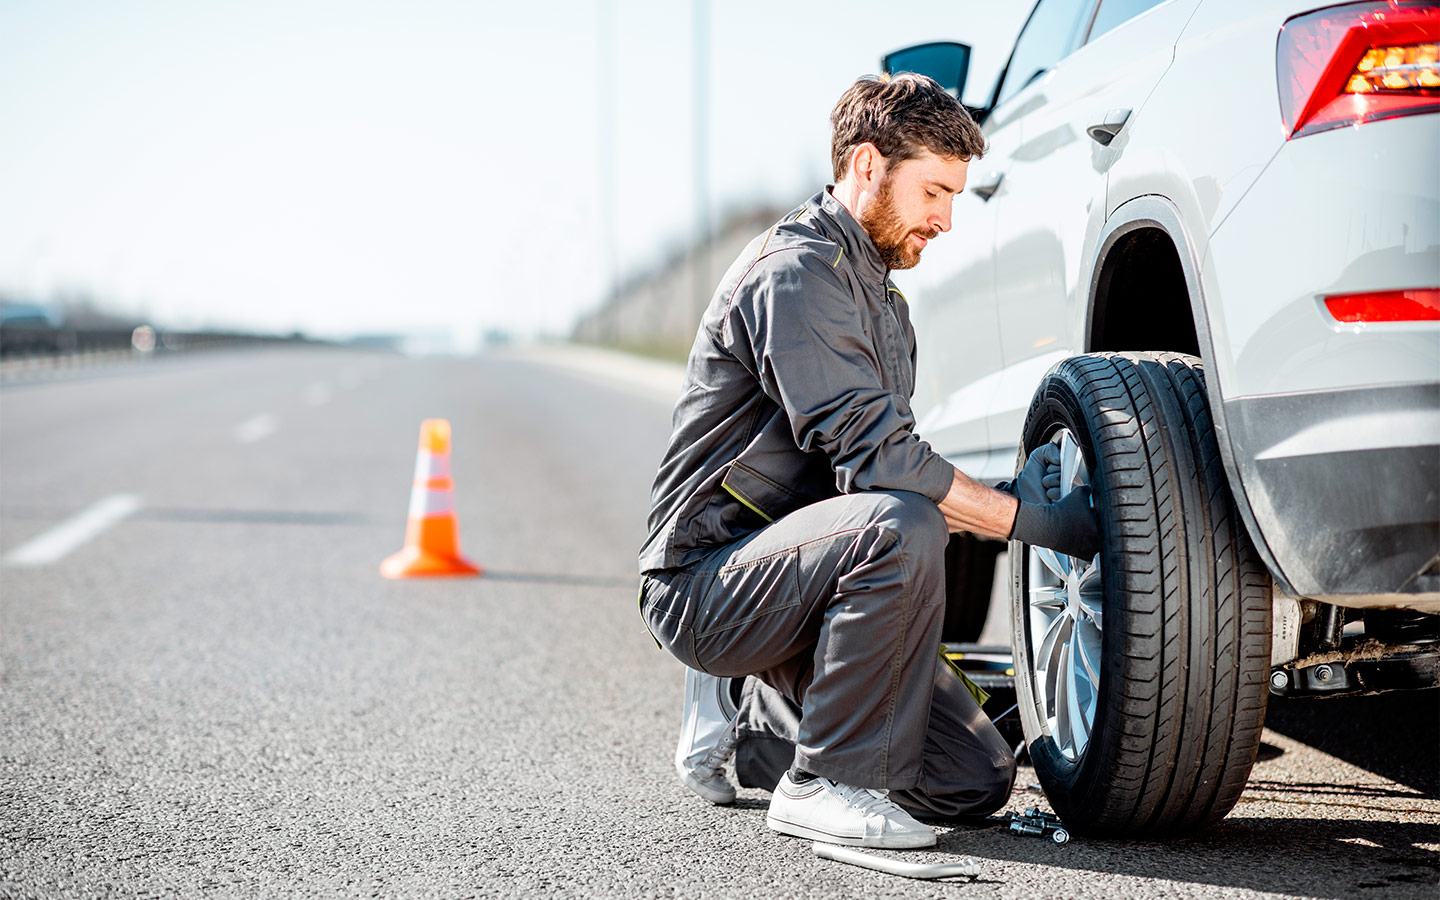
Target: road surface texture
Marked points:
207	690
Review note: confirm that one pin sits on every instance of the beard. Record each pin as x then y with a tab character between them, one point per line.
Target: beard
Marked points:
889	232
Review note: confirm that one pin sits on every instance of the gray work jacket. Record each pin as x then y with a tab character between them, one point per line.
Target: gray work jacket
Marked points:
798	389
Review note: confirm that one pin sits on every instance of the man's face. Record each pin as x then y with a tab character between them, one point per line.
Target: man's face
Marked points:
911	206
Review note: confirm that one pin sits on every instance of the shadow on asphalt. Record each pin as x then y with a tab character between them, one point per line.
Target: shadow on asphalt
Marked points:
1395	735
1300	856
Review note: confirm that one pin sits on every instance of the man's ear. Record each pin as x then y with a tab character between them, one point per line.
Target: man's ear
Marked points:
868	166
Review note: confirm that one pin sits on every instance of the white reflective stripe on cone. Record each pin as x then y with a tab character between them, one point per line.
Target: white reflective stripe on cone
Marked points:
425	502
431	465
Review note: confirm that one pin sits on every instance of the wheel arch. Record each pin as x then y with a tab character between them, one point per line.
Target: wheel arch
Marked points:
1143	240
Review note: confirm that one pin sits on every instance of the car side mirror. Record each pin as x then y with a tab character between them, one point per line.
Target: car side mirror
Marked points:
945	61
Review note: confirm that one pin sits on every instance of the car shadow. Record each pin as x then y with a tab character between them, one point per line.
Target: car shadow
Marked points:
1394	735
1382	852
1292	856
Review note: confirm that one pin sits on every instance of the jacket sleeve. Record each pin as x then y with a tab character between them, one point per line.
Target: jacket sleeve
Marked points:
794	323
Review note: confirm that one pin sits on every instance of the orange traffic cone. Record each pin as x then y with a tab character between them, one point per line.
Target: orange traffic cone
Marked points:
432	538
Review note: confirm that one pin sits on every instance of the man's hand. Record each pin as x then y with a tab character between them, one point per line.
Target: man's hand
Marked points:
1067	526
1039	481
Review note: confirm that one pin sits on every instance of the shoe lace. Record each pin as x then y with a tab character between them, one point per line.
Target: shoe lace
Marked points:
868	801
720	754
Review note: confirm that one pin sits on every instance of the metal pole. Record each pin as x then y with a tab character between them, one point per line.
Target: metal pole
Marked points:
605	160
700	116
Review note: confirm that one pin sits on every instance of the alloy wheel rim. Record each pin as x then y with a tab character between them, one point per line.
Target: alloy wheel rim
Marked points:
1065	601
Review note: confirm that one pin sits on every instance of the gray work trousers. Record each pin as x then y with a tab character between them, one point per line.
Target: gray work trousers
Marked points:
836	611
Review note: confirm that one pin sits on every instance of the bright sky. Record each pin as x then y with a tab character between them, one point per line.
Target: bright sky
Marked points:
336	167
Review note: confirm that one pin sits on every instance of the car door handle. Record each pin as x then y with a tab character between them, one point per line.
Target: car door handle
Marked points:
988	185
1104	132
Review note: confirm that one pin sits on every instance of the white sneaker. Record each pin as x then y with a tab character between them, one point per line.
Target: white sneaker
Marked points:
825	810
707	737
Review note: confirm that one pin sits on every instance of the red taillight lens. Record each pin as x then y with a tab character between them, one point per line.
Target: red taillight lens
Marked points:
1413	305
1352	64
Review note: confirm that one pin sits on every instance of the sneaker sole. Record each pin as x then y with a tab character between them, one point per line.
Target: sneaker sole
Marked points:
882	842
719	798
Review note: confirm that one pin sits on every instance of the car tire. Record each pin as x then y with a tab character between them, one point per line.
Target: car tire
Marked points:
1141	674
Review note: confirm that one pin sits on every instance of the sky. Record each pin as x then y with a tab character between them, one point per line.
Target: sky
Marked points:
349	167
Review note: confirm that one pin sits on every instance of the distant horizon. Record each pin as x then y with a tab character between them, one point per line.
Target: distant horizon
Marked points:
335	169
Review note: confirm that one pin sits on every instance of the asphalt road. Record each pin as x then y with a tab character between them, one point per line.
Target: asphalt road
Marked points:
211	692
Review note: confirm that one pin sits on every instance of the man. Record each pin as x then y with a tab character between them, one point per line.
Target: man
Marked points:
798	523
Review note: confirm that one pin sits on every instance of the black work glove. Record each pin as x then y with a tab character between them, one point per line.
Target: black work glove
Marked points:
1039	481
1067	526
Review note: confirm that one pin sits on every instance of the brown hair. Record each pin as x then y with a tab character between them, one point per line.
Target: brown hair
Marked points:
901	116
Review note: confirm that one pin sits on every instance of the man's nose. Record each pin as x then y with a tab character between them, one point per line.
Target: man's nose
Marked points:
941	218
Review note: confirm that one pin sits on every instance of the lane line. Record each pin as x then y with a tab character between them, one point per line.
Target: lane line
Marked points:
256	429
53	545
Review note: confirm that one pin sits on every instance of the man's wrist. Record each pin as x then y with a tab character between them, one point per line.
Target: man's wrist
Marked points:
1023	527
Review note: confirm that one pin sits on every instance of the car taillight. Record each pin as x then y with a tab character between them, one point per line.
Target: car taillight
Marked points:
1351	64
1412	305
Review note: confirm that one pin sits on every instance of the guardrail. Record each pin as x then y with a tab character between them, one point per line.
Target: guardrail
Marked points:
21	359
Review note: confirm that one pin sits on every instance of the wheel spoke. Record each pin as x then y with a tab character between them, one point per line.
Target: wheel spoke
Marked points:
1069	461
1079	723
1064	687
1087	651
1047	597
1058	565
1051	644
1092	596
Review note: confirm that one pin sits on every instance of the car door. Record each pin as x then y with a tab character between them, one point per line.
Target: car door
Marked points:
956	326
1087	65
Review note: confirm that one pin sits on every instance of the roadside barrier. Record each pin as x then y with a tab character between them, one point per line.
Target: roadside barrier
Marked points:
432	536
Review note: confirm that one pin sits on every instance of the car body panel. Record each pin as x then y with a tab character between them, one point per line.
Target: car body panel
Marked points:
1330	433
1043	243
1278	337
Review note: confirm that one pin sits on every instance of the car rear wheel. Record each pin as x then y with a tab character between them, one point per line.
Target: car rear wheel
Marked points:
1141	673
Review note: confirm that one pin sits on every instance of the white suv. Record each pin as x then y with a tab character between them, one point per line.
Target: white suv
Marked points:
1202	253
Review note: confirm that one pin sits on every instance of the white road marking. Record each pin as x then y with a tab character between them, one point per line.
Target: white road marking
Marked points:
318	394
258	428
54	544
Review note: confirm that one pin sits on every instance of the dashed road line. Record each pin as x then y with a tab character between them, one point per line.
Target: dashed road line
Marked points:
53	545
256	429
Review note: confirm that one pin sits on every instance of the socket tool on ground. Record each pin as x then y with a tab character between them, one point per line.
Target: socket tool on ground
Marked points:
1038	824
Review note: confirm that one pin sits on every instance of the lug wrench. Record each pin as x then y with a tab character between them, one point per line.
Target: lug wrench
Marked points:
966	867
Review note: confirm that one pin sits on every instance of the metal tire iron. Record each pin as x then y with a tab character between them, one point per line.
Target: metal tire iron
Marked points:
965	868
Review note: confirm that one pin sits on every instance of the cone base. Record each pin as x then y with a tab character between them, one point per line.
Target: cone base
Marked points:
412	562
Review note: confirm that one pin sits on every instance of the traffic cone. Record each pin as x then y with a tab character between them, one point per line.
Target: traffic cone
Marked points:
432	538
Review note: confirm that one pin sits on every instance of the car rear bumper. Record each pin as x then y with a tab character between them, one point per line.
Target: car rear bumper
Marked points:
1333	428
1345	488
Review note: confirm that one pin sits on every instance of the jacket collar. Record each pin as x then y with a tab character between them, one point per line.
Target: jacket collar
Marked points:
864	256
